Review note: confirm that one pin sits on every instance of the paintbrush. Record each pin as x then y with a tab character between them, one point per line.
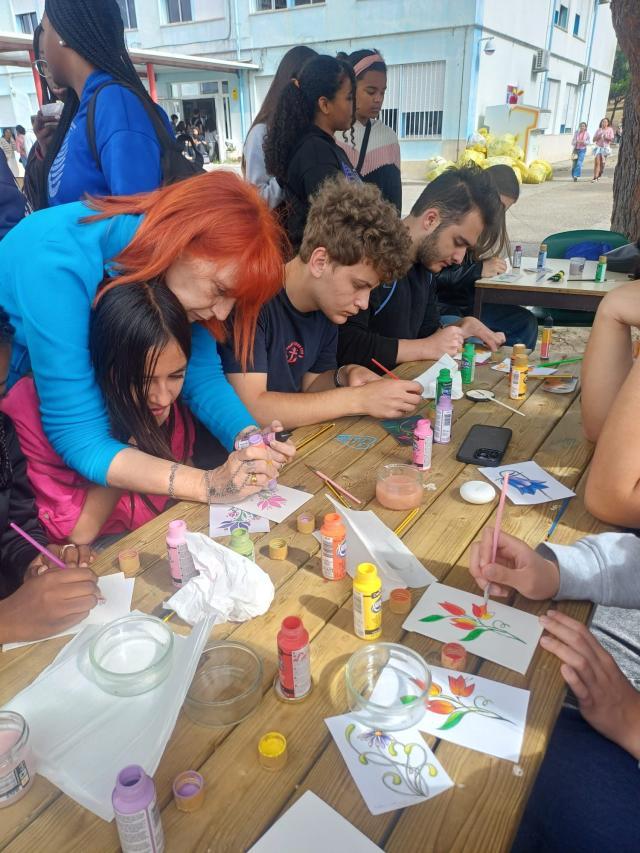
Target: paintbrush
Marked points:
313	435
406	521
496	530
337	495
337	486
47	553
385	369
556	521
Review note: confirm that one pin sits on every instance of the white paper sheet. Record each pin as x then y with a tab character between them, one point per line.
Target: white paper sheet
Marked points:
369	540
117	591
376	760
429	377
310	825
224	519
534	371
529	484
82	737
503	634
275	504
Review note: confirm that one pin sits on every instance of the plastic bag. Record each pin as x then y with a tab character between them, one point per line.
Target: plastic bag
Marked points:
430	176
469	155
545	165
536	174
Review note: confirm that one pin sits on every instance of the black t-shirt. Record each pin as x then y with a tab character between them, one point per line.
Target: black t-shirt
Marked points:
405	309
288	344
316	157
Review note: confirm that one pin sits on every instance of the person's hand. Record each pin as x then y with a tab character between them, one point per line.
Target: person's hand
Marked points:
48	603
357	375
493	266
517	566
44	129
608	701
449	340
243	474
389	398
622	304
474	328
280	452
72	555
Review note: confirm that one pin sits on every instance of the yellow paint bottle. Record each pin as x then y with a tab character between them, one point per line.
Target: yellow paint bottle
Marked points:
367	602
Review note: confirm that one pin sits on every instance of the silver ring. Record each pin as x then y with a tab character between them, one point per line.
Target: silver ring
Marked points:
68	545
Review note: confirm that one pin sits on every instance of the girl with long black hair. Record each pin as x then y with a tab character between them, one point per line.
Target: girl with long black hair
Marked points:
83	45
300	149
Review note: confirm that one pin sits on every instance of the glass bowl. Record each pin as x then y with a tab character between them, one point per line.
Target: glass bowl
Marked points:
227	685
131	655
399	486
387	686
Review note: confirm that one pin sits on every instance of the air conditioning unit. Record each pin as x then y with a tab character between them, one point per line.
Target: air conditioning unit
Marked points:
540	61
584	77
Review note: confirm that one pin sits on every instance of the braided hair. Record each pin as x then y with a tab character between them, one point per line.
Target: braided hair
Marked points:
295	113
6	339
94	30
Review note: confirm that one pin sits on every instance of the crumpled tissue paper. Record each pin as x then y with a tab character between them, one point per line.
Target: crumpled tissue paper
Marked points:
229	588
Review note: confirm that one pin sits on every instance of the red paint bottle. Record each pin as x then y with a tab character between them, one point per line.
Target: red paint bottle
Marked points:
293	659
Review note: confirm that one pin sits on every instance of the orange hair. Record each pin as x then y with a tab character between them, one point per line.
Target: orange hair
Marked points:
215	217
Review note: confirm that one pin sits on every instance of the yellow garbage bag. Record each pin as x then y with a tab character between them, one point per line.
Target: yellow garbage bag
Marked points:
471	155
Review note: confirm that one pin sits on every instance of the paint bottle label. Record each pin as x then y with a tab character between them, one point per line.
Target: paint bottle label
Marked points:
601	271
141	832
422	459
418	451
518	383
367	614
334	557
442	429
516	263
295	671
542	259
14	782
468	365
545	343
181	564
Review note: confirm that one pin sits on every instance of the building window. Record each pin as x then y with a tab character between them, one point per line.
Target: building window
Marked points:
128	12
561	17
576	25
178	11
414	102
273	5
27	22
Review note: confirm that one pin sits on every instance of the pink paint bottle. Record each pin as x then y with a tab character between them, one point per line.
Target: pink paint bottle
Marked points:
181	563
422	444
16	762
137	815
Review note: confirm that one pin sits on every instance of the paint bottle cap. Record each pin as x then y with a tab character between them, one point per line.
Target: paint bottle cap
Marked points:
272	751
400	600
543	247
255	438
518	248
306	522
445	374
548	322
423	428
602	259
332	525
129	561
469	347
453	656
188	791
278	549
518	349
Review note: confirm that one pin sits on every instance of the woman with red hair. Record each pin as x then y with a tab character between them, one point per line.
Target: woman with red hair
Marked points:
212	241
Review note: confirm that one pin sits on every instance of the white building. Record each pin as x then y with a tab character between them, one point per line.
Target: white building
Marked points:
451	63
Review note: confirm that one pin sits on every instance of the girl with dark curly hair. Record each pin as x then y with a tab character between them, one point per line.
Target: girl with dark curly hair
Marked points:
300	150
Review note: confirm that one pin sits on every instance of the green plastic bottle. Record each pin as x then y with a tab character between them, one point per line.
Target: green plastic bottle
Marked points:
444	384
468	363
241	543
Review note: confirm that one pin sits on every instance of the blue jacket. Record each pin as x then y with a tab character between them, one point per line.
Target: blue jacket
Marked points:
11	199
126	141
50	269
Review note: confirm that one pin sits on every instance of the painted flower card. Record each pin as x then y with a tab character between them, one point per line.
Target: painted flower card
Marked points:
465	709
275	504
494	631
529	484
392	770
223	520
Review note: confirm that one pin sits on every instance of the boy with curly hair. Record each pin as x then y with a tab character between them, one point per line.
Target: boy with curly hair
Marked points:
352	241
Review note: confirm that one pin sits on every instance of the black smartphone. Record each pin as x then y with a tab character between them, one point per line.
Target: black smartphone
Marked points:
484	445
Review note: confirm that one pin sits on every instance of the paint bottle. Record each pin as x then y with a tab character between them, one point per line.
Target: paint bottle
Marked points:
181	563
542	256
516	263
422	444
241	543
518	349
137	815
601	269
444	418
468	363
367	602
334	547
294	663
518	377
545	343
16	762
444	383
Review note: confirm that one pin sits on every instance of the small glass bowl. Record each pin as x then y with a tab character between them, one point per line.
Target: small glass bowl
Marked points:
387	686
131	655
399	486
227	685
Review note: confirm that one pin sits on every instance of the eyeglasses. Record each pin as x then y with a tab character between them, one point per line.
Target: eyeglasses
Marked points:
41	66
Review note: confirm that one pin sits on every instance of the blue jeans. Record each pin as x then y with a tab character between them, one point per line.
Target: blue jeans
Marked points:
518	325
585	798
576	171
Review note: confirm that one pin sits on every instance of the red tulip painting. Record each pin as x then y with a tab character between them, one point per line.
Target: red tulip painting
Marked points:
452	705
476	622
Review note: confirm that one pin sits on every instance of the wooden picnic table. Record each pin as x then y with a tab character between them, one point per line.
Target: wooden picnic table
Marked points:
483	809
571	294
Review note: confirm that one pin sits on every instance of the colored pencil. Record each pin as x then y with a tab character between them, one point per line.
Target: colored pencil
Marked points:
496	530
559	363
406	521
385	369
313	435
47	553
337	495
556	521
337	486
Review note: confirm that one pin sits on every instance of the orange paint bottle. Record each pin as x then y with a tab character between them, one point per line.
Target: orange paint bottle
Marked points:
334	547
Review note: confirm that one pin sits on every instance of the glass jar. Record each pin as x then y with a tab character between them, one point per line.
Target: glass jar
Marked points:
16	762
399	486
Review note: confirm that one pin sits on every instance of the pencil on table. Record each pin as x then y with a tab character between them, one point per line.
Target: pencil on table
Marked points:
406	521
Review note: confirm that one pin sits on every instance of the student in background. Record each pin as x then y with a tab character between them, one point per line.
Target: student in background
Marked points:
300	149
253	165
456	284
581	140
375	154
10	151
352	241
84	47
402	322
602	139
603	740
12	204
20	144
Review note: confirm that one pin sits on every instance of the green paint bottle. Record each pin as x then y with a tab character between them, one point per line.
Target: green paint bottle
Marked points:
241	543
468	363
444	384
601	269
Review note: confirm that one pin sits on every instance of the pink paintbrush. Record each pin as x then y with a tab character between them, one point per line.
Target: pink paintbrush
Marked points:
47	553
337	486
496	529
